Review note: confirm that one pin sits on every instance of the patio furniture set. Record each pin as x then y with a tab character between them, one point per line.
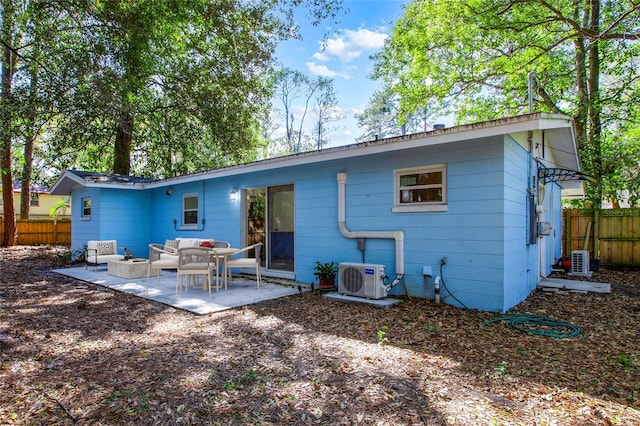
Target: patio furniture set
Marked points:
191	258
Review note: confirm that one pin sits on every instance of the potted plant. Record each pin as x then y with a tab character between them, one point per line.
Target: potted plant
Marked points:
326	274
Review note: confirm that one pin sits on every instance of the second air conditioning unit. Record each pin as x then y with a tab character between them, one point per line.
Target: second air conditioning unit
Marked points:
580	262
362	280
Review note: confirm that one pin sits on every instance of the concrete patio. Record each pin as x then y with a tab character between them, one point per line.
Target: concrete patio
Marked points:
241	290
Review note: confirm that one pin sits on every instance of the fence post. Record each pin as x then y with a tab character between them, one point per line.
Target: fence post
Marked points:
596	233
567	231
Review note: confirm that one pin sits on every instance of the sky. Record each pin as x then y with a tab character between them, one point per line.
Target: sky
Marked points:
342	52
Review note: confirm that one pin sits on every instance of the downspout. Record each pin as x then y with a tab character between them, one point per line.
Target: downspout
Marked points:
398	236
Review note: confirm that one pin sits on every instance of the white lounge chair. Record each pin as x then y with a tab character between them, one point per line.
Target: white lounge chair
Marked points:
100	252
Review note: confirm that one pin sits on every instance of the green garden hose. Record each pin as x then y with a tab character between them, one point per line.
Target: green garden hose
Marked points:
526	323
541	326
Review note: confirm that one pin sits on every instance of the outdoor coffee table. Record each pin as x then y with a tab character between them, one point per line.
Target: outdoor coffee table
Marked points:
132	268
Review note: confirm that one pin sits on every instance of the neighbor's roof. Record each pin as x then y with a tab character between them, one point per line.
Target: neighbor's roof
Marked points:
558	129
35	187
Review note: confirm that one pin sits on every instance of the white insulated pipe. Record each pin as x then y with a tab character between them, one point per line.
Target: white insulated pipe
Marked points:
398	236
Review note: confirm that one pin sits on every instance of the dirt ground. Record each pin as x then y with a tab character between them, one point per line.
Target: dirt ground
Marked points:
76	353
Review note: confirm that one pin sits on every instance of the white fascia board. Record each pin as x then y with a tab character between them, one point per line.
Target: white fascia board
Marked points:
68	181
135	186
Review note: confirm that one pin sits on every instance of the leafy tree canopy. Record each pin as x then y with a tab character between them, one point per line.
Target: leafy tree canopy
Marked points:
473	59
153	87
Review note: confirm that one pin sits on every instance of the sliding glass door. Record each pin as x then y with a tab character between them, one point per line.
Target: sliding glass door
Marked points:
254	205
280	214
270	216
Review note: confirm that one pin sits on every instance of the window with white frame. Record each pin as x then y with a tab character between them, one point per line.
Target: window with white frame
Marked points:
86	208
190	211
420	189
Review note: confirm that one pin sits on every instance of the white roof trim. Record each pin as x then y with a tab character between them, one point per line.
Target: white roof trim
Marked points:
510	125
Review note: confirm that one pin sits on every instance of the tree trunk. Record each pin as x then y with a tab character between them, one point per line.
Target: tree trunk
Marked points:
583	97
10	235
595	125
27	168
25	181
25	194
122	148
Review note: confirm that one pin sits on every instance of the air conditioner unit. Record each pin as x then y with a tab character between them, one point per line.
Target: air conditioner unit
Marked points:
362	280
580	262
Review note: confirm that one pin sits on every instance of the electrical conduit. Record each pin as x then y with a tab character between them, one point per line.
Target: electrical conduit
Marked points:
398	236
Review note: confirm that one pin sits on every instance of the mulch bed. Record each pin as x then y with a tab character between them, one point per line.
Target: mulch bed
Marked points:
76	353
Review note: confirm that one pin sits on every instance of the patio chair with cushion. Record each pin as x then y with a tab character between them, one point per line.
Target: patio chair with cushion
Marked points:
171	246
194	261
100	252
158	263
246	262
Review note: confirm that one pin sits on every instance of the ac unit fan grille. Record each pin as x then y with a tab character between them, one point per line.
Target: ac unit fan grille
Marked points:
580	261
352	279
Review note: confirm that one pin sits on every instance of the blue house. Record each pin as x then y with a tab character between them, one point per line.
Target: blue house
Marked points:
482	200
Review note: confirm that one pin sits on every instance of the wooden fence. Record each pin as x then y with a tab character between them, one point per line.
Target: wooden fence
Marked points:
35	232
611	235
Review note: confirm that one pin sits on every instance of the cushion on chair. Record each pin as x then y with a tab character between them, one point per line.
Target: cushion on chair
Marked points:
188	242
171	246
105	247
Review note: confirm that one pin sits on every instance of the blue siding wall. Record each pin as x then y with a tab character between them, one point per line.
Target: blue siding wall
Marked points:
317	235
482	235
473	242
220	218
84	230
469	234
116	214
520	262
125	218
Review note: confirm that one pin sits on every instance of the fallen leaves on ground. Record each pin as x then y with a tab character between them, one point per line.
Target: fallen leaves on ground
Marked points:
76	353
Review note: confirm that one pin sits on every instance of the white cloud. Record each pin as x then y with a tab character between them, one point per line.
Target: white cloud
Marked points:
351	44
321	56
324	71
357	110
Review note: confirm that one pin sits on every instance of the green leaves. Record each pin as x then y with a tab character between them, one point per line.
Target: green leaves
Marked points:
473	58
171	86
